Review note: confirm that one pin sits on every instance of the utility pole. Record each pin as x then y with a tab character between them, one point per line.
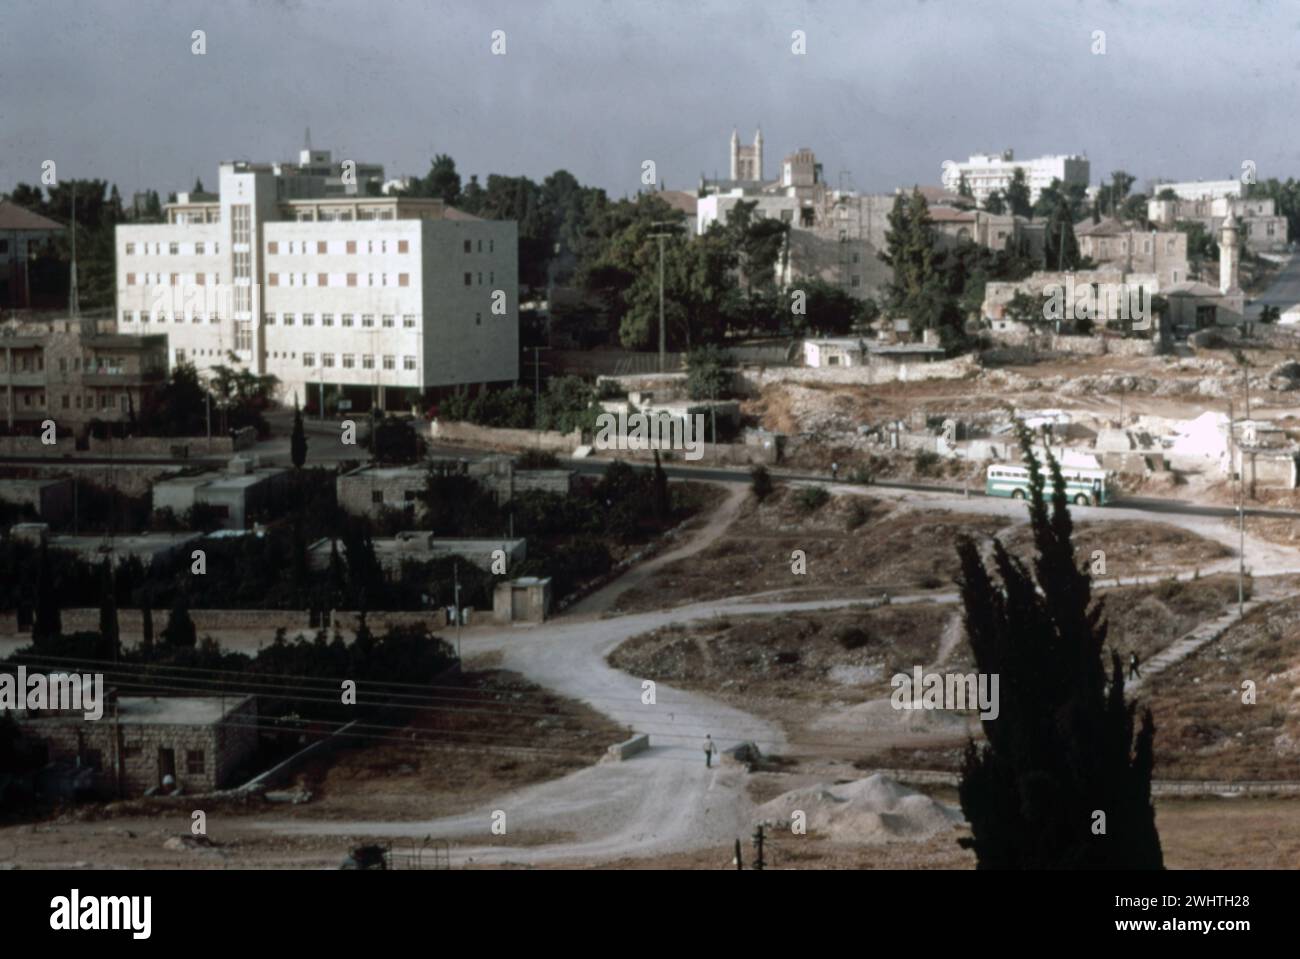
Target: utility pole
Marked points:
736	859
758	846
663	336
455	572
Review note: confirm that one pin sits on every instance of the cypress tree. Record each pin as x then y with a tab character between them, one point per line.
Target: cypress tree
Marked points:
1061	753
298	440
47	620
109	630
180	629
662	499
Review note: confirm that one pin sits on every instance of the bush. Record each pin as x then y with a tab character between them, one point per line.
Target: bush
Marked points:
852	637
812	498
537	460
858	515
760	483
925	462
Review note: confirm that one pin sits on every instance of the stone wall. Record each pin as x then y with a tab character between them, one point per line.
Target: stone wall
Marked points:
471	434
32	446
953	369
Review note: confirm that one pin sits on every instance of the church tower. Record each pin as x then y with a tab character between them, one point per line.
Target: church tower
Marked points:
1229	255
747	162
735	154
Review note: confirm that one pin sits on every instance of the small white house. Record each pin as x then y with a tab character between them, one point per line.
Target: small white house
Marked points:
834	351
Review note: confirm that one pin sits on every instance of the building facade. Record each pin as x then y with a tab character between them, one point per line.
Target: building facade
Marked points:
1161	252
373	299
986	173
1262	230
67	371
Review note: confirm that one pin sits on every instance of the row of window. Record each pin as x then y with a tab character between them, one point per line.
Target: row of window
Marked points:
322	247
144	316
107	401
173	249
387	320
173	279
337	279
348	361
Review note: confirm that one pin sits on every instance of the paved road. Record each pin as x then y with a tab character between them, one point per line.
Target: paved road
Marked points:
1283	293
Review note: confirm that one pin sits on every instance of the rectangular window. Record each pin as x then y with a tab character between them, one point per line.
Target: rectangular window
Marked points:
352	279
321	246
308	319
469	279
388	362
243	335
194	762
349	360
327	319
173	249
408	321
377	497
309	359
347	319
388	320
130	279
198	249
367	319
240	223
272	279
467	246
327	359
408	362
273	248
352	246
268	319
403	279
322	279
367	362
402	246
130	248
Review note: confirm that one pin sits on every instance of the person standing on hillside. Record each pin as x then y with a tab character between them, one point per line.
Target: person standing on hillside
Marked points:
709	750
1133	666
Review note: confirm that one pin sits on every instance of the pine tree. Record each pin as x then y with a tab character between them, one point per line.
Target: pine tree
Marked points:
1018	194
1061	749
47	621
298	441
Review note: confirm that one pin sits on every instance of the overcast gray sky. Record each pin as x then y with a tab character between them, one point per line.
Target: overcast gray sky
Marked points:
887	90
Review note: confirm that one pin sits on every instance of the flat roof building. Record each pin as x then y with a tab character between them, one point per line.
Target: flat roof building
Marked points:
987	173
375	299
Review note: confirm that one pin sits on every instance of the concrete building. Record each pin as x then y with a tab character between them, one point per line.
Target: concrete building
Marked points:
69	371
50	499
1201	189
146	547
200	741
524	600
420	546
1108	296
22	234
1112	243
1262	229
376	299
985	173
234	495
369	490
1195	306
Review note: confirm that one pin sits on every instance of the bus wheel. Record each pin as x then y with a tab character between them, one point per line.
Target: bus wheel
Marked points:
1081	500
1018	494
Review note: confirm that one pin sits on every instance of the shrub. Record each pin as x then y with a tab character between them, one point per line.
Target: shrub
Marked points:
925	462
812	498
852	637
858	514
760	483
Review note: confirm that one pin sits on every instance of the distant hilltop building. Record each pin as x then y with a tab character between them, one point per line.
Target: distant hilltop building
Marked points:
747	162
1211	203
348	298
986	173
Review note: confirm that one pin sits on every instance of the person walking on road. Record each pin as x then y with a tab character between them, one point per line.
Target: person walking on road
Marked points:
835	471
709	750
1133	666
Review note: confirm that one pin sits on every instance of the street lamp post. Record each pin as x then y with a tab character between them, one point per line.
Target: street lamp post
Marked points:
663	336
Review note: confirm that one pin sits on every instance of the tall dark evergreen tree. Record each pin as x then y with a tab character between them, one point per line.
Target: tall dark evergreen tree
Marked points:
1017	195
180	631
298	441
47	620
1061	753
108	624
146	621
662	498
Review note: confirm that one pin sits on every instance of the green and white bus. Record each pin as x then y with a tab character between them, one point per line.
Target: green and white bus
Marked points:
1083	487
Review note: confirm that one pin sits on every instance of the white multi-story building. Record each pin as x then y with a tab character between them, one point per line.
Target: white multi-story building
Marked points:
1202	189
369	298
986	173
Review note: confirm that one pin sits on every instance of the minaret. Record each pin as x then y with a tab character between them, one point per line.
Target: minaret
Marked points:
735	154
74	298
1229	255
758	154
